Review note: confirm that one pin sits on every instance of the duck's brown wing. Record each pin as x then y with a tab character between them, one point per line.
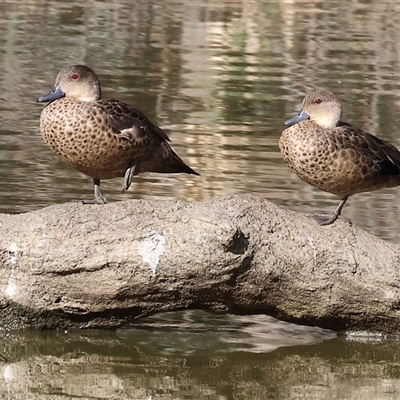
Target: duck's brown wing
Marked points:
381	152
154	154
130	122
389	155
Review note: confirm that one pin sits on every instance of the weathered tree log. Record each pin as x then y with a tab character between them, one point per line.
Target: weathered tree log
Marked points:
83	266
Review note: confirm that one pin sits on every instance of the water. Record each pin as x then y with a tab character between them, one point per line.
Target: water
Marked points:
193	355
220	77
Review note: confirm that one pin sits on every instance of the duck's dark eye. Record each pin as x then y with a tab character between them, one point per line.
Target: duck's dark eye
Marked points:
74	76
317	101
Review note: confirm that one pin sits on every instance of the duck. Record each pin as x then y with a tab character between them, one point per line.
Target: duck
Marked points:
335	156
102	138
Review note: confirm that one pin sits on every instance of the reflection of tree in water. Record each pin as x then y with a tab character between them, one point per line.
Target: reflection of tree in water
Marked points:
220	76
130	364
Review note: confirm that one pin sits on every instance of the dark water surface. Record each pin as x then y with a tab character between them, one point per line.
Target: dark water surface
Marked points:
220	77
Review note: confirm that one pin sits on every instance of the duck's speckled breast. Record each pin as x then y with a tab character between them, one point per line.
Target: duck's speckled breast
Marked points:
79	132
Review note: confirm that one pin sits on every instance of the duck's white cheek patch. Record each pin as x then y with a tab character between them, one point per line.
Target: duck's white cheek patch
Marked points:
12	260
151	248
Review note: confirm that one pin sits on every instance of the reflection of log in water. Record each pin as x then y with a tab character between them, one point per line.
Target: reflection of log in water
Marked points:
75	266
196	332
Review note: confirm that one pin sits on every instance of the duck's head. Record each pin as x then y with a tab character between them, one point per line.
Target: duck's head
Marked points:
321	107
76	81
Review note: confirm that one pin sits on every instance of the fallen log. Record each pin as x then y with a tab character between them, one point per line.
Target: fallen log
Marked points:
75	266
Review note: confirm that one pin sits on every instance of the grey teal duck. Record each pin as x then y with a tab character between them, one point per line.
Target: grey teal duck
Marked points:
335	156
102	138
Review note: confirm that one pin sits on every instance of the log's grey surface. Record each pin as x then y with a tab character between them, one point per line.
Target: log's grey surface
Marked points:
89	266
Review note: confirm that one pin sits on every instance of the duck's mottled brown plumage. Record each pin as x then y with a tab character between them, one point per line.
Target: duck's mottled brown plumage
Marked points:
334	156
103	138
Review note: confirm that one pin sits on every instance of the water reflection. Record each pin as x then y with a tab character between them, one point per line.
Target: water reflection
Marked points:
221	77
199	333
194	355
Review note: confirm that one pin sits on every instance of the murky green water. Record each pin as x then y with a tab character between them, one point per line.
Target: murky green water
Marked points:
220	77
193	355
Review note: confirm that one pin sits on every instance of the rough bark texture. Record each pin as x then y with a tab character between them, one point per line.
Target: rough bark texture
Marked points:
89	266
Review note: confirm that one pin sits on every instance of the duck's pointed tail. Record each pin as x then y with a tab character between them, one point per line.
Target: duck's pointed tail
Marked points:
164	160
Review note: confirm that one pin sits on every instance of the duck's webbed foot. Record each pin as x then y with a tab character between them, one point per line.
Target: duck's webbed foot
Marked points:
98	197
327	219
128	178
324	219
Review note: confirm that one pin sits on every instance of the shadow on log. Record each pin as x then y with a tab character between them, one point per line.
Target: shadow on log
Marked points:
86	266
